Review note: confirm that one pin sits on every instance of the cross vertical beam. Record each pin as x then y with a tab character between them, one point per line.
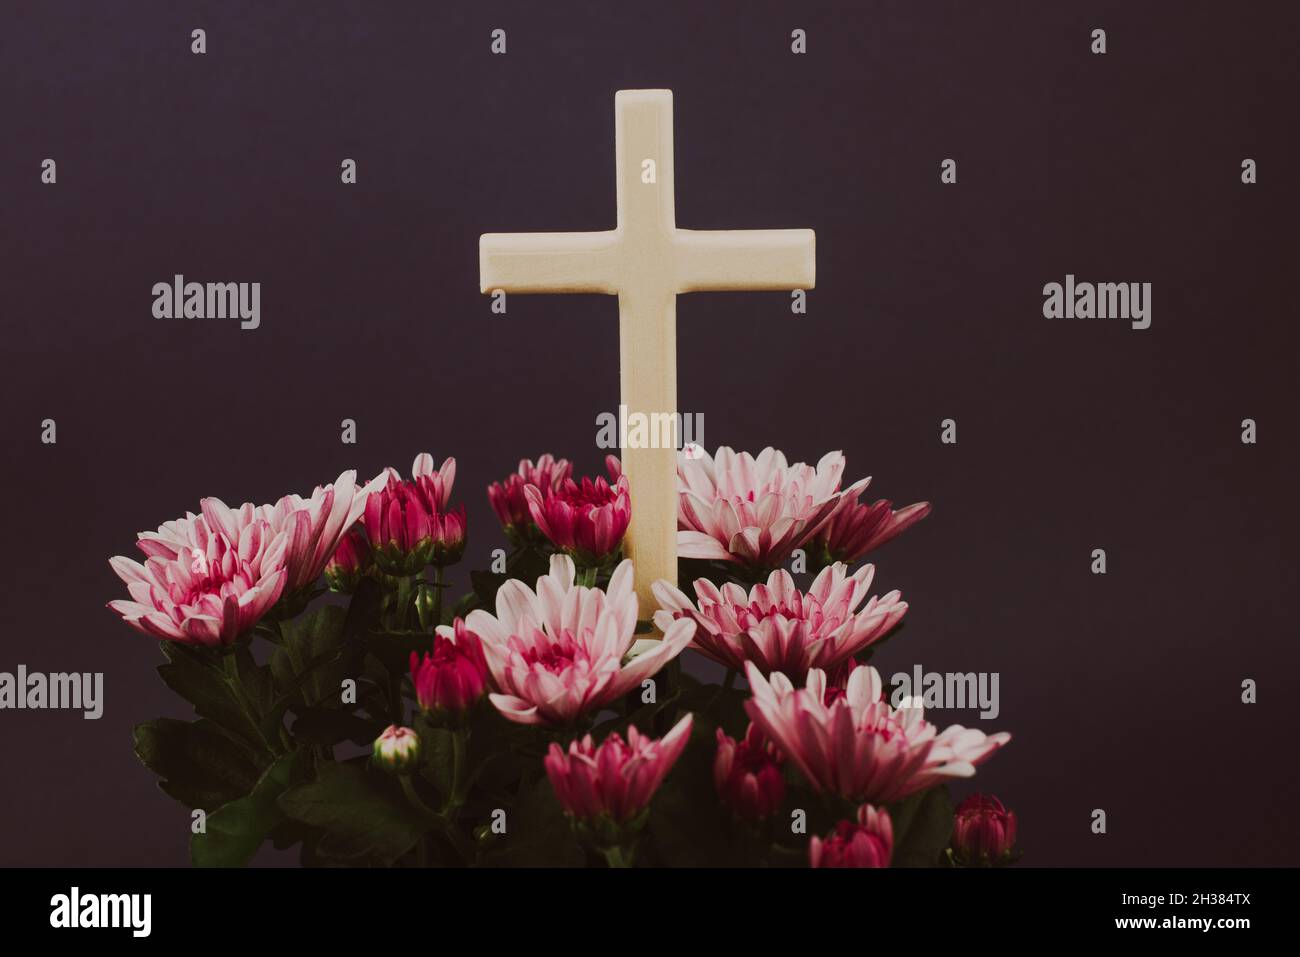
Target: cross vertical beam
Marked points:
647	261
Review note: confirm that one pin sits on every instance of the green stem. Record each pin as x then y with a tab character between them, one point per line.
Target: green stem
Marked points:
459	746
403	600
587	577
230	664
408	788
441	822
616	857
437	596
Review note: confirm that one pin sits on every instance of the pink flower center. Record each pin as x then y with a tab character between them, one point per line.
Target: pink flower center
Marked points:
557	655
588	495
209	577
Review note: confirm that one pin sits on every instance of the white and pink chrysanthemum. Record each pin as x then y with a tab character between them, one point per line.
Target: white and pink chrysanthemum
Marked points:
734	507
857	745
857	529
617	779
313	527
507	496
209	591
779	628
557	652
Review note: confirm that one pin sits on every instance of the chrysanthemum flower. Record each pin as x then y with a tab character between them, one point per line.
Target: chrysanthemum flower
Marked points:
587	520
350	563
441	478
857	529
755	512
409	523
397	750
312	526
983	831
866	842
747	774
557	653
856	745
454	677
780	628
616	780
511	505
208	592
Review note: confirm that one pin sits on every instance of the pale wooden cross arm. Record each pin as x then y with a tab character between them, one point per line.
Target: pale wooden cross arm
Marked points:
549	262
720	259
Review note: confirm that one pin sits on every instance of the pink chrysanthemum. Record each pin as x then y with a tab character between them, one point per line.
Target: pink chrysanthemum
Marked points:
586	520
755	512
312	526
867	841
350	563
617	779
208	592
855	744
780	628
409	523
747	774
507	496
454	677
857	529
558	653
983	831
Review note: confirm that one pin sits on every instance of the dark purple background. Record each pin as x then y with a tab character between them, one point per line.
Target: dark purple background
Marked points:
1123	691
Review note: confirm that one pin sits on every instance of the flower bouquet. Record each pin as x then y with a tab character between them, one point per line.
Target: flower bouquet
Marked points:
347	705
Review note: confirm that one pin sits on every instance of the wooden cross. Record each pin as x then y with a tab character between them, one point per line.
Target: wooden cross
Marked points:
647	261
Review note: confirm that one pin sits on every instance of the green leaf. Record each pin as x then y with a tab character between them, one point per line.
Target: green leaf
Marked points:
688	824
196	675
922	827
236	830
363	611
310	663
258	690
362	811
199	765
485	585
464	605
331	726
393	648
537	834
